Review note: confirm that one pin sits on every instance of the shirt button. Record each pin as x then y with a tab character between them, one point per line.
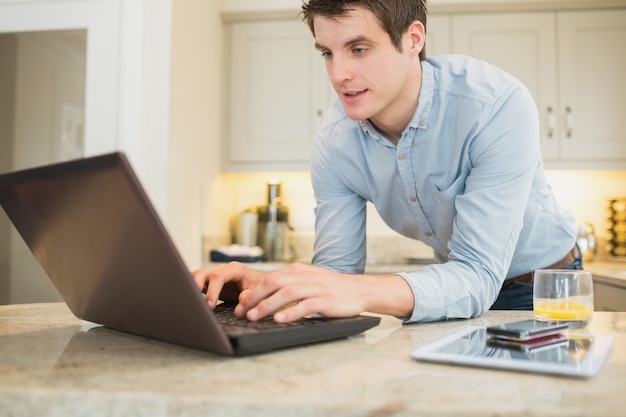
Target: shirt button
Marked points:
422	123
428	234
402	157
412	199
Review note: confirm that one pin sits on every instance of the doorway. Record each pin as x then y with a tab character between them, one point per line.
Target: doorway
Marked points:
42	76
59	69
126	91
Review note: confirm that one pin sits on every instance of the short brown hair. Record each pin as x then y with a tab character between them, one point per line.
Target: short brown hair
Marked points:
395	16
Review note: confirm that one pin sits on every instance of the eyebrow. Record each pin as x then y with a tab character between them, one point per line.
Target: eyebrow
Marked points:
353	41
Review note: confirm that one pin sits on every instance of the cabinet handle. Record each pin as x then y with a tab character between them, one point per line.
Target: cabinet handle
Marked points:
569	121
551	122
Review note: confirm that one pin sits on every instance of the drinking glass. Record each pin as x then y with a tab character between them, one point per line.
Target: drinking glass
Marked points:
563	295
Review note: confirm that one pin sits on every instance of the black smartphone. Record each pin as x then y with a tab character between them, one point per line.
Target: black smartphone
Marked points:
526	330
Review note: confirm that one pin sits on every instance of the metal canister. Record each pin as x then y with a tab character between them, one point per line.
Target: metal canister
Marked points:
247	228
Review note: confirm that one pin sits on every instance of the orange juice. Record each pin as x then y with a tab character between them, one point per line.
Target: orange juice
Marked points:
563	295
573	311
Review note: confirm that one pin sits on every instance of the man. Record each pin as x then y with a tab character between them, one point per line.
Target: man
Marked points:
447	149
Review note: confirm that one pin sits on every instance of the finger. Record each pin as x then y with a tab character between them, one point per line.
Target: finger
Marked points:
297	311
227	281
216	281
200	278
271	296
224	283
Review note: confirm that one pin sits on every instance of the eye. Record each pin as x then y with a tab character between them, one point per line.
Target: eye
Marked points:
327	55
359	51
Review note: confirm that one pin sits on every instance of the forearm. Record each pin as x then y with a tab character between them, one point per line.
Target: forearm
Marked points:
386	294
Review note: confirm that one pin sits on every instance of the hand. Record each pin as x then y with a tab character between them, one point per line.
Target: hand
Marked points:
225	282
299	290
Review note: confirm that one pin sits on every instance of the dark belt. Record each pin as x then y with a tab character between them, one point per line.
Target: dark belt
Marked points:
528	277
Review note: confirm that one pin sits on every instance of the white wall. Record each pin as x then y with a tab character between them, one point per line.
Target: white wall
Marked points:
127	83
584	193
236	6
195	119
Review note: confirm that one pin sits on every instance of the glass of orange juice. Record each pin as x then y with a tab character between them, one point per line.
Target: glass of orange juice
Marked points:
563	295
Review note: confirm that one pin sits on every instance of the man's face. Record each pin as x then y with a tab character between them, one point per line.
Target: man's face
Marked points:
371	77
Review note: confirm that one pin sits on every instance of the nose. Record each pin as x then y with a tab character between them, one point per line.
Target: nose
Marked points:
339	70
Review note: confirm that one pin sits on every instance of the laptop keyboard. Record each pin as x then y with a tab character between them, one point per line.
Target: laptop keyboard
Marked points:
226	316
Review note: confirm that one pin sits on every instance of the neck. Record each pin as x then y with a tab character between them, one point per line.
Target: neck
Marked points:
391	136
392	127
394	119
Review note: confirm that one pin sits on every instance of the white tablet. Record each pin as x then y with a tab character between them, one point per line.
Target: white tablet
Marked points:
579	355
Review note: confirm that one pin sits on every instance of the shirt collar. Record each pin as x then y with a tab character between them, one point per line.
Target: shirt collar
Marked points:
425	103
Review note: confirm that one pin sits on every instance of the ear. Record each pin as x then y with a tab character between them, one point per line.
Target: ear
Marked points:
417	36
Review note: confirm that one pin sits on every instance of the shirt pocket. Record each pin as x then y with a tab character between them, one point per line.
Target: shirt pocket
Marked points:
441	209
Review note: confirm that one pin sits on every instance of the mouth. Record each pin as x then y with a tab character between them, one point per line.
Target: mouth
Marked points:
354	93
351	96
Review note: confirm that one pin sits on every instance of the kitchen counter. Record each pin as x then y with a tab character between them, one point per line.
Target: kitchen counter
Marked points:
369	268
608	272
609	285
52	364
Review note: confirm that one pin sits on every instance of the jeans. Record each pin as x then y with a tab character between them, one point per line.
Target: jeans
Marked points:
519	296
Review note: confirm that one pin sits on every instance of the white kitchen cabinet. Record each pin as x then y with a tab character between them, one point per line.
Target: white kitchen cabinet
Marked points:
438	34
278	92
572	63
592	56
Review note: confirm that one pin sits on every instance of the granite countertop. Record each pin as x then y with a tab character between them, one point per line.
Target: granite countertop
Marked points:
52	364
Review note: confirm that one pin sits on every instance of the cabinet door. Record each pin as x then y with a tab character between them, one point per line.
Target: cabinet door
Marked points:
438	35
608	297
522	44
278	93
592	57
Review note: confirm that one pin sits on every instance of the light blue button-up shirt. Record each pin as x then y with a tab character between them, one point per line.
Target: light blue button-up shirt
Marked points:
466	178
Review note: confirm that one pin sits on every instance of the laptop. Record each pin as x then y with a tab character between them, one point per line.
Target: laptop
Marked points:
94	231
